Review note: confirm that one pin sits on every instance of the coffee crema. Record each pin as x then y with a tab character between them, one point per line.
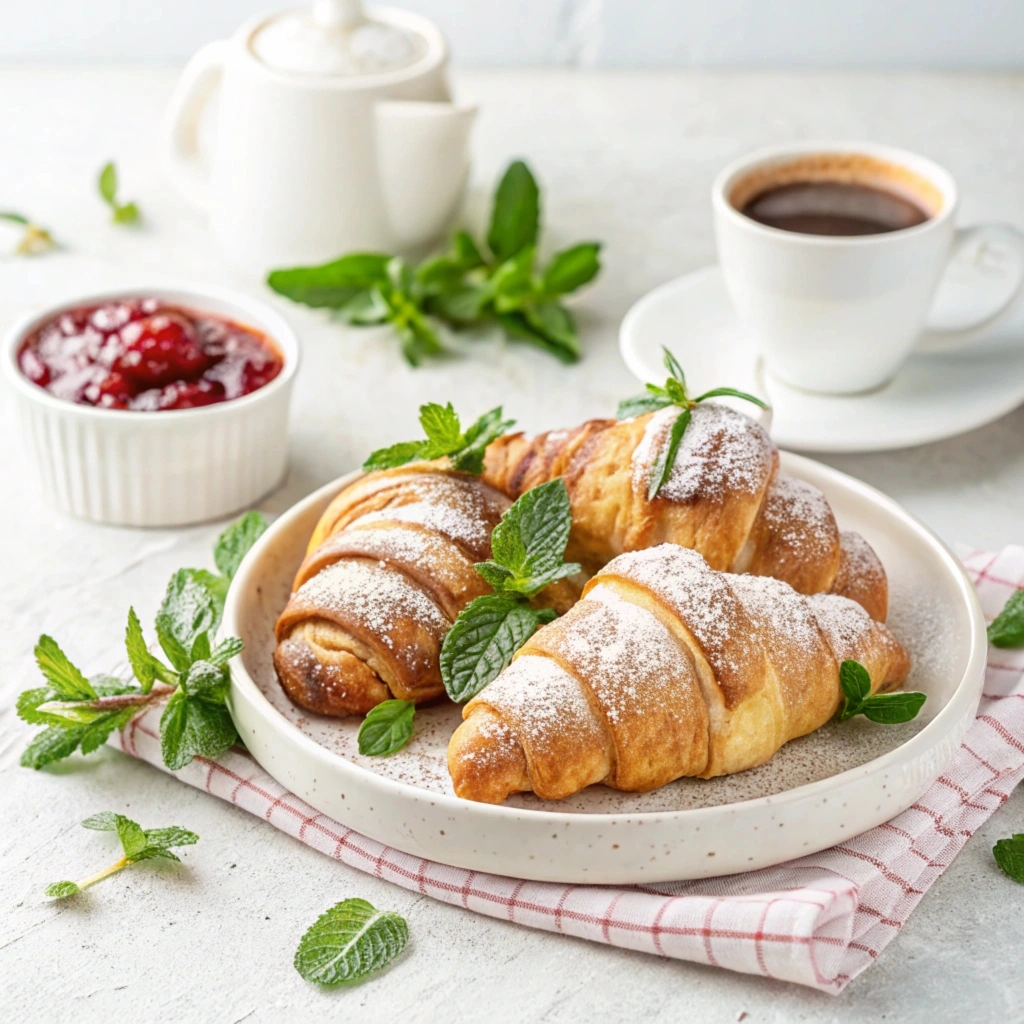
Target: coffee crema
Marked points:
836	194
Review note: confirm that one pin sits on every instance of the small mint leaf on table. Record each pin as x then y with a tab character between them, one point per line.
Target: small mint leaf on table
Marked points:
234	543
121	213
482	642
349	942
65	678
161	840
1007	628
333	284
193	727
515	216
386	728
571	268
1009	855
133	839
59	890
104	821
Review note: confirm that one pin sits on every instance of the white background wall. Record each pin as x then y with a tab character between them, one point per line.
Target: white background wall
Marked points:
587	33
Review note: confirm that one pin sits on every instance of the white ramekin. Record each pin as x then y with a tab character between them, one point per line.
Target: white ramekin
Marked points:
158	468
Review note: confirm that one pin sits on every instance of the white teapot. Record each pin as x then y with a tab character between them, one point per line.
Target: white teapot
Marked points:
335	132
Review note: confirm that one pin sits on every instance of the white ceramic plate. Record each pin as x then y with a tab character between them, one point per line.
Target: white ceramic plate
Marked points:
815	792
931	398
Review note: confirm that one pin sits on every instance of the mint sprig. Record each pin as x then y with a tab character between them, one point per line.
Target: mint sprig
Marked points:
349	942
1007	628
884	708
34	239
444	437
120	213
386	728
80	713
1009	855
528	548
673	393
466	284
138	844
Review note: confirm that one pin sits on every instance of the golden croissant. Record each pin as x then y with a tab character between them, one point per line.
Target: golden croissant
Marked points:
387	570
666	668
725	498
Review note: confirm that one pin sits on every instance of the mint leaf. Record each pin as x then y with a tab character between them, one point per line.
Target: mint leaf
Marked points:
1009	855
856	685
517	326
188	609
1007	628
387	728
462	305
65	678
364	309
481	643
348	942
104	821
555	324
133	839
59	890
28	703
234	543
121	213
572	268
641	405
675	371
496	575
530	540
441	425
732	393
666	460
470	457
145	667
226	650
75	712
418	338
191	727
396	455
515	217
160	840
52	744
512	282
331	284
893	708
206	681
96	734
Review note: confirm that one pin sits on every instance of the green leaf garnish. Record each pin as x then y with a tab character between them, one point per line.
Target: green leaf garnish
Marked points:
673	393
462	285
884	708
349	942
1007	628
80	714
444	438
137	844
1009	855
528	549
387	728
121	213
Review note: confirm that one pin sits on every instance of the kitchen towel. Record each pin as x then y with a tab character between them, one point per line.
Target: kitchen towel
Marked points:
818	921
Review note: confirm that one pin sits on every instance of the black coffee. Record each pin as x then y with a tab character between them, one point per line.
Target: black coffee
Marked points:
833	208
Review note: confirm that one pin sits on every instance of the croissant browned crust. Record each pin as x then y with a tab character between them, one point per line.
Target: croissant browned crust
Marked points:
666	668
725	498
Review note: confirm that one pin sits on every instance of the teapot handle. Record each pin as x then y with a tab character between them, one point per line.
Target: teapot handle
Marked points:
195	88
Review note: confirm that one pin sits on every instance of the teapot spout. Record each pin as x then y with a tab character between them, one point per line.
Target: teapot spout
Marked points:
423	155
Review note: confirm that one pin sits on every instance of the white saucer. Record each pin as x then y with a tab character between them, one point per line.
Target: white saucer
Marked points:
932	397
817	791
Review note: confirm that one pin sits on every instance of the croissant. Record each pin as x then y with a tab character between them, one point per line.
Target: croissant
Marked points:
666	668
387	570
725	498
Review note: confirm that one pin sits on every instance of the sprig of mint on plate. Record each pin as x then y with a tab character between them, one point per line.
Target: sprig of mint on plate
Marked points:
34	239
528	548
349	942
79	713
467	284
444	437
673	393
884	708
106	183
136	842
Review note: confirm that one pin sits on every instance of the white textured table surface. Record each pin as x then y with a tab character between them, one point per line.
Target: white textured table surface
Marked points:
623	158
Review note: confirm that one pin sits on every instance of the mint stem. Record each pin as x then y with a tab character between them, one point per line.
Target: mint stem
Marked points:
105	873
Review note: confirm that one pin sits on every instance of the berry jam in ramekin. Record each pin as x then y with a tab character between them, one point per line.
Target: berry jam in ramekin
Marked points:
145	355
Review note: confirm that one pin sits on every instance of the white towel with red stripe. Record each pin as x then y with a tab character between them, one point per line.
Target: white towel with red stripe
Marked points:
818	921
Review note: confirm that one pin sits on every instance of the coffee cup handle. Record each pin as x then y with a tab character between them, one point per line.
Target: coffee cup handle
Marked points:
977	236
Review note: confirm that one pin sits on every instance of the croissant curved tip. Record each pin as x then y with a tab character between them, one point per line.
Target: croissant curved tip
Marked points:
485	760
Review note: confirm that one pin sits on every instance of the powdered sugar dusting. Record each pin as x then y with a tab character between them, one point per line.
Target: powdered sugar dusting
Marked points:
785	612
456	523
843	622
377	597
798	515
722	452
414	549
861	561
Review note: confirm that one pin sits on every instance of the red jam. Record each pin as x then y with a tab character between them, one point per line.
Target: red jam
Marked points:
144	355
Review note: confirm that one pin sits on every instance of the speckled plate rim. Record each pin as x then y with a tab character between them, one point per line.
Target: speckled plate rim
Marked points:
293	758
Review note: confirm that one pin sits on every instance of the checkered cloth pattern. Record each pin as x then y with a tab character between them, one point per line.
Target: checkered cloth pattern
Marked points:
818	921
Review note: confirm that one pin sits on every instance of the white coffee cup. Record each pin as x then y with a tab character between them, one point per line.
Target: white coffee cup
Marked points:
841	314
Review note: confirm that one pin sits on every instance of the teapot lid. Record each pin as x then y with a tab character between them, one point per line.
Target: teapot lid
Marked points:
335	38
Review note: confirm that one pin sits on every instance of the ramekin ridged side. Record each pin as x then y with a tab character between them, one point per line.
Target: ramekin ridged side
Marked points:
160	468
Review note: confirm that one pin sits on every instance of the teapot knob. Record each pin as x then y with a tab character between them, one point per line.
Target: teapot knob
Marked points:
338	13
